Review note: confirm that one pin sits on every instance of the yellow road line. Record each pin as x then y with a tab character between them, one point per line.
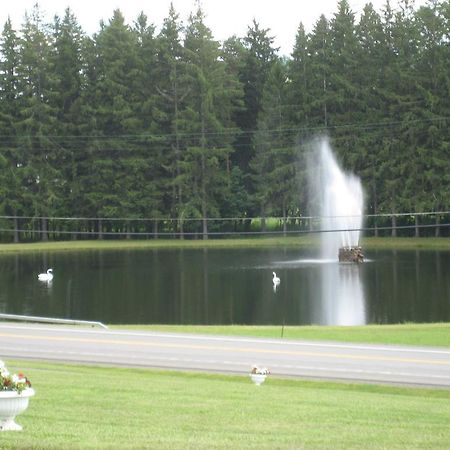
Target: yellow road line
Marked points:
222	348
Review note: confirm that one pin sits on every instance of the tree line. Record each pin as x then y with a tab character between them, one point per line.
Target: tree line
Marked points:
136	122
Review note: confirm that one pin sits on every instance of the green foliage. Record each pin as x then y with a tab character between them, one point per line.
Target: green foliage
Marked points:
174	125
207	119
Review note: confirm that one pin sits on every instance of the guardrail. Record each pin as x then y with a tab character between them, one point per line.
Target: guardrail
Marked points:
51	320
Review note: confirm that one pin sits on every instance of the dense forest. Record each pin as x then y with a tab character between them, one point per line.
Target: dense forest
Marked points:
143	128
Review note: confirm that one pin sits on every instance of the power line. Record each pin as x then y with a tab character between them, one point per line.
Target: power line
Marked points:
220	233
237	131
131	147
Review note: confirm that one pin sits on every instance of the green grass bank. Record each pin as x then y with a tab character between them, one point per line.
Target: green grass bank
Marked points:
307	241
82	407
434	334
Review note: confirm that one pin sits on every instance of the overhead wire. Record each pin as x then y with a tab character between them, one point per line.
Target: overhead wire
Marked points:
235	131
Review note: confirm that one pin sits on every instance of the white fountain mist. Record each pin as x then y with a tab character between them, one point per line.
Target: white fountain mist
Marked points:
338	199
340	202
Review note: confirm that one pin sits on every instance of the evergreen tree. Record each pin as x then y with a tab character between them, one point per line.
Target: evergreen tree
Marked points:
345	105
370	66
300	77
319	52
301	80
116	123
11	198
143	168
399	147
274	160
239	202
207	120
86	139
343	102
259	57
172	87
38	152
67	63
433	78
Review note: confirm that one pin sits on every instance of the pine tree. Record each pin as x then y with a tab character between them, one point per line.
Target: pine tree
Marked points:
259	57
142	169
171	86
38	152
11	198
343	59
319	51
300	77
67	63
370	66
345	106
238	203
433	79
274	160
301	80
116	123
399	147
207	120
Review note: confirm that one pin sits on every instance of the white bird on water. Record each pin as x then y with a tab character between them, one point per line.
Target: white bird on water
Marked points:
276	281
48	276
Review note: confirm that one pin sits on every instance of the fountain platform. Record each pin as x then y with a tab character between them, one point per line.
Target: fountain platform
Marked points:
351	254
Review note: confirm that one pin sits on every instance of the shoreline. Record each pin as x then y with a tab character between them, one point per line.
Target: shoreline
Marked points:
368	243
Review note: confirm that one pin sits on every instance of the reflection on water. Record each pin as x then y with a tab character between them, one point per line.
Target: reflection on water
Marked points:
342	296
232	286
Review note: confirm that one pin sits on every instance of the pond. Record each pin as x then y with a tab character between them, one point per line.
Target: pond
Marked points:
228	286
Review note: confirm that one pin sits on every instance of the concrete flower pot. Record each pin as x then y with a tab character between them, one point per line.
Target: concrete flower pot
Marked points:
11	405
258	378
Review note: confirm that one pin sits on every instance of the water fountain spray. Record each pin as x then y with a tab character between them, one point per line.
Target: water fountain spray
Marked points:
340	199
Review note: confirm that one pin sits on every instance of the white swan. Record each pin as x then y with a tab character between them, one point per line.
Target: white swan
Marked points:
275	279
46	276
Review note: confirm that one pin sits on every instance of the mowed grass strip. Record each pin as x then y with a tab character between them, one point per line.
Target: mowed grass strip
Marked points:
434	334
311	240
149	244
82	407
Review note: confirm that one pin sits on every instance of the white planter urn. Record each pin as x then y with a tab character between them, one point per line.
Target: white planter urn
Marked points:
258	378
11	405
259	375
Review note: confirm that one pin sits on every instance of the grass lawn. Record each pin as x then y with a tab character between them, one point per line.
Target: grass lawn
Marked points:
82	407
310	240
435	334
303	241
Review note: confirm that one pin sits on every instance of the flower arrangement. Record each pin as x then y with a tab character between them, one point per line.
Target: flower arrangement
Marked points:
259	371
12	382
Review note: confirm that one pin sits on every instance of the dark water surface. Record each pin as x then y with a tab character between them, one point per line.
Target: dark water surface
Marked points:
231	286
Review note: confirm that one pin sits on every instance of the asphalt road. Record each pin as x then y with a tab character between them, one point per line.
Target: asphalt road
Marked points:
404	365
